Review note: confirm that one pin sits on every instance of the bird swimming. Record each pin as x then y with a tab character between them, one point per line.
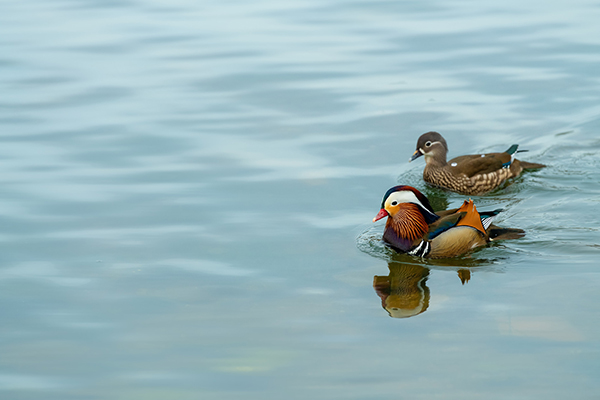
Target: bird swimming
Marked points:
413	227
471	174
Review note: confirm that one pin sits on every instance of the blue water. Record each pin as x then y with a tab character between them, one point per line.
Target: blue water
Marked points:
187	191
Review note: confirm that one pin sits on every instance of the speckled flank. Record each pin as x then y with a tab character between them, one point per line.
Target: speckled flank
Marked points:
475	185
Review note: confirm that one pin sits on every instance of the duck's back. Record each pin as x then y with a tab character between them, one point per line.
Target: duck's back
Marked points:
472	165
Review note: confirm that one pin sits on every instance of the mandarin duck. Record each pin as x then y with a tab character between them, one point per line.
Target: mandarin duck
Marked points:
469	175
414	228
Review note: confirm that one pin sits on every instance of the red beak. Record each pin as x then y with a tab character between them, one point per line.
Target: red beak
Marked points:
382	213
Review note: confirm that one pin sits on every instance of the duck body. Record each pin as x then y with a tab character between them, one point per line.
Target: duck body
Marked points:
414	228
471	174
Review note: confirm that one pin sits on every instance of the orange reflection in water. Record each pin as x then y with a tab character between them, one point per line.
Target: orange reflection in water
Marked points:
404	292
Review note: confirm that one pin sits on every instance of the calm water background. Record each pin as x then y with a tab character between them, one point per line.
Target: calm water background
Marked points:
187	190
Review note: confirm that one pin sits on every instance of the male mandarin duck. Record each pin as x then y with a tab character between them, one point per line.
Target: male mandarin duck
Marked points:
469	175
414	228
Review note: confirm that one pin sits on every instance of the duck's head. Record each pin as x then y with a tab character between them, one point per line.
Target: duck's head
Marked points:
398	196
431	145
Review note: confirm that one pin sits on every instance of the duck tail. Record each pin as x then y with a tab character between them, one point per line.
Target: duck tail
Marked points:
496	233
488	216
530	165
512	149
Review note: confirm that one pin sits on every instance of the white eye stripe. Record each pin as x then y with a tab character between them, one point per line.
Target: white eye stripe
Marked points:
429	144
404	196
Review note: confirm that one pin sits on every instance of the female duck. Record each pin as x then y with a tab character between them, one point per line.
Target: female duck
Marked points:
470	175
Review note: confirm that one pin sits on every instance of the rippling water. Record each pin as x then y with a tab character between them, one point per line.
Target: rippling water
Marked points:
187	190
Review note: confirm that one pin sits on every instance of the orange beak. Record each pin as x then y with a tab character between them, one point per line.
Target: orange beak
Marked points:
382	213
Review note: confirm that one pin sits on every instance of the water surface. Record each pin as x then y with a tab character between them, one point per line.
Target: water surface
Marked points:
187	190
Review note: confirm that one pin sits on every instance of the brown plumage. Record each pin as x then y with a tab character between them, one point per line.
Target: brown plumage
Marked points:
470	175
413	227
409	222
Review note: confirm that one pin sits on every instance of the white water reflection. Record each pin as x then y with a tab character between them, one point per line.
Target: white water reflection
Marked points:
30	382
192	265
41	271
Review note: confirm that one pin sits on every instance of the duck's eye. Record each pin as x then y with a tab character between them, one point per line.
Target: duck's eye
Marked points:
428	144
394	203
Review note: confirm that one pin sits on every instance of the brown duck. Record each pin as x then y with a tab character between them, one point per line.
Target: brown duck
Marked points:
472	174
414	228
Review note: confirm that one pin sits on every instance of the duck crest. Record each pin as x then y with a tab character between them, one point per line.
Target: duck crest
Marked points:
423	201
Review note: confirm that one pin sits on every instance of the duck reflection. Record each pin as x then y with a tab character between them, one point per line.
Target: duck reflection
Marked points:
403	292
464	275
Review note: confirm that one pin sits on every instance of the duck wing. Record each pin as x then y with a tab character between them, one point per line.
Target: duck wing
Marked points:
466	215
444	223
479	164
